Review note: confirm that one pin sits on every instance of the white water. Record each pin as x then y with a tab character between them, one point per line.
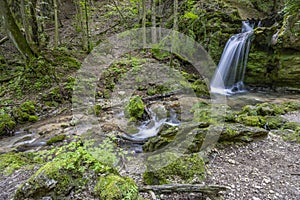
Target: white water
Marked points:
146	132
229	76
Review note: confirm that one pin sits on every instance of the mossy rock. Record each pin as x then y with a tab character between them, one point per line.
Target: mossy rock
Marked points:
186	168
26	112
187	136
55	139
114	187
135	108
7	124
293	137
241	133
274	122
65	172
251	120
292	126
263	109
9	162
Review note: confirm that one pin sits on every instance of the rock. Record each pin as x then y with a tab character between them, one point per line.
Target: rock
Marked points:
231	161
57	178
166	167
113	187
189	137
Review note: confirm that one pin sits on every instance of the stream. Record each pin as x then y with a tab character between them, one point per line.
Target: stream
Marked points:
33	137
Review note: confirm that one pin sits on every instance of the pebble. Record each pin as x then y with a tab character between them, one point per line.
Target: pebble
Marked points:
231	161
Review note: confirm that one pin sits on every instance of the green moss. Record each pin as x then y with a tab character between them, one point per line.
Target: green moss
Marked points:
291	125
263	109
187	168
26	112
65	171
251	120
56	139
274	122
7	124
9	162
113	187
293	137
135	108
157	89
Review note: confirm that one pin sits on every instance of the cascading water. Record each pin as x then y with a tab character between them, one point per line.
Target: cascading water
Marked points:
229	76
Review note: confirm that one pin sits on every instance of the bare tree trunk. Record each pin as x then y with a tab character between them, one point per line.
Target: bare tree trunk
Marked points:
160	17
87	25
144	22
24	21
56	37
175	28
153	21
34	23
14	32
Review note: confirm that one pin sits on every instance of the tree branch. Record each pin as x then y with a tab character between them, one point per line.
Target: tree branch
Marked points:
3	40
169	188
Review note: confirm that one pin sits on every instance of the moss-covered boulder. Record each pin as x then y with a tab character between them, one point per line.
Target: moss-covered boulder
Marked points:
184	169
114	187
67	172
9	162
7	124
26	112
241	133
190	137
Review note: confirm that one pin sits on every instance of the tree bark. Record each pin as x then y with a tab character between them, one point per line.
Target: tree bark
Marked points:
34	23
14	32
144	22
153	21
56	37
24	21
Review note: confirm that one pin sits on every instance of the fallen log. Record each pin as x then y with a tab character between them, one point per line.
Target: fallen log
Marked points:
170	188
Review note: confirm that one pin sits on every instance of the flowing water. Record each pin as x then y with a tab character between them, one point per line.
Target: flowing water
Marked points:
229	76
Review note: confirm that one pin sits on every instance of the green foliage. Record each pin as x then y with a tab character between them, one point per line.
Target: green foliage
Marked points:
291	7
65	171
113	187
157	89
135	108
107	151
116	71
26	112
7	124
9	162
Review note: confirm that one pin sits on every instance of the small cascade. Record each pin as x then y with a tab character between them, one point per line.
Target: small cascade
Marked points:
229	76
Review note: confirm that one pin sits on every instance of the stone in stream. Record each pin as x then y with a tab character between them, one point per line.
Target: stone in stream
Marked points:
189	137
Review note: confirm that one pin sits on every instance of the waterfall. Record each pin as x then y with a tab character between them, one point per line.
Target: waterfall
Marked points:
229	76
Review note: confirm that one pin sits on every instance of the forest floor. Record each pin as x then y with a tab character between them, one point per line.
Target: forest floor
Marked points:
264	169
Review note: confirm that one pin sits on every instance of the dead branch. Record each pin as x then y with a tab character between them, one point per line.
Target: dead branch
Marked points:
170	188
162	96
3	40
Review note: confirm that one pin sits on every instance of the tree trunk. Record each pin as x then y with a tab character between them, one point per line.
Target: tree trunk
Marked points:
24	21
14	32
56	37
153	21
144	22
87	26
34	23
